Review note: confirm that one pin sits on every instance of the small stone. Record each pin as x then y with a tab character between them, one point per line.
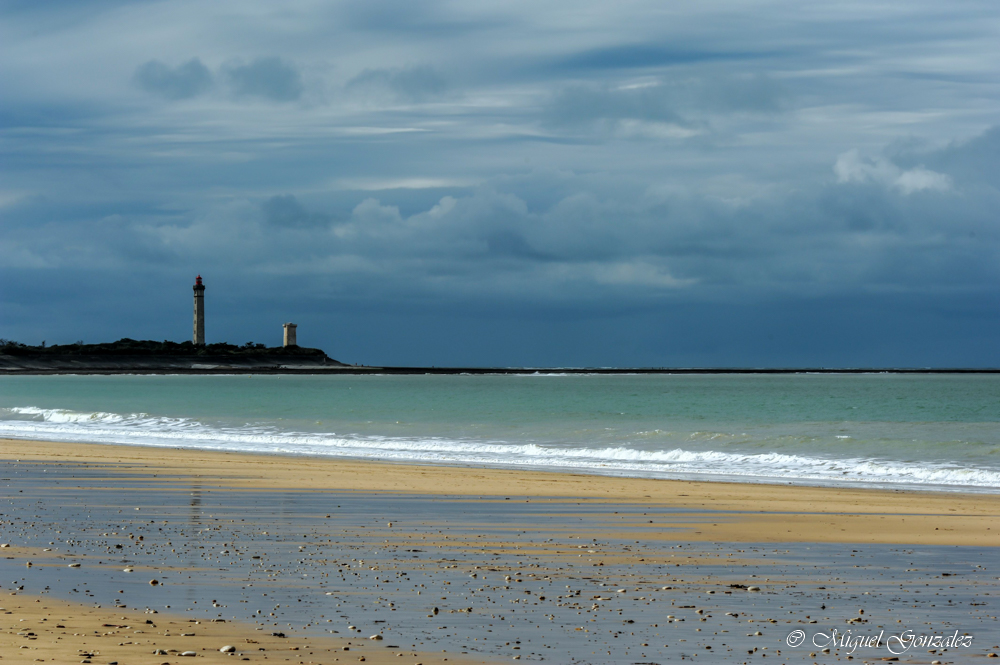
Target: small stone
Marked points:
189	653
128	570
753	588
228	649
154	582
375	637
74	565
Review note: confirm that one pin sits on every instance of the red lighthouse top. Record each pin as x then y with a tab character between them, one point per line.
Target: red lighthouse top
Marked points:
197	280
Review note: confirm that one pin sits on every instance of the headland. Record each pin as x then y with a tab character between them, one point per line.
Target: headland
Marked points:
128	356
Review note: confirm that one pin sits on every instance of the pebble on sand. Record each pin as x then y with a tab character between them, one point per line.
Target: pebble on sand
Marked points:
375	637
228	649
74	565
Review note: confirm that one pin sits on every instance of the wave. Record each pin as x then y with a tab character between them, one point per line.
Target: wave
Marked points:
764	466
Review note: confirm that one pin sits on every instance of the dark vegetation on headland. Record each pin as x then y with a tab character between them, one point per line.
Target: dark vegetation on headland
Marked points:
133	347
127	355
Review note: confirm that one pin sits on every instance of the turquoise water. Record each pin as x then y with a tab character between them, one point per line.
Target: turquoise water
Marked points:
932	431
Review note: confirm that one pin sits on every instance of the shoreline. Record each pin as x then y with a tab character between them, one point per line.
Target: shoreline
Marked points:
374	370
726	511
712	478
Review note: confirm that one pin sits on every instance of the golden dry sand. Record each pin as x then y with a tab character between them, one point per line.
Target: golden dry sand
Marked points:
740	512
43	629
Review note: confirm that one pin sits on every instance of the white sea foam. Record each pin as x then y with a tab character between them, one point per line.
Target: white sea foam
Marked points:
145	429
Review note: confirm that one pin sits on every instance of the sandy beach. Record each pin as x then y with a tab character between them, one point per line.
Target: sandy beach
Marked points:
741	512
469	565
44	629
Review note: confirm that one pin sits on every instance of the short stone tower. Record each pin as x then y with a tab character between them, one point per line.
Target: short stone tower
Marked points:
199	312
290	334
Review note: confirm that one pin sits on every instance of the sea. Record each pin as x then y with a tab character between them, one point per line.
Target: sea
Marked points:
934	432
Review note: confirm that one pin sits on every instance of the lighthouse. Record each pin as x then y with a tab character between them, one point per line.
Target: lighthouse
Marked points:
199	312
290	334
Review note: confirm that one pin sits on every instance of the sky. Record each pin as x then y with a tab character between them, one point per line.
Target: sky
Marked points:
638	183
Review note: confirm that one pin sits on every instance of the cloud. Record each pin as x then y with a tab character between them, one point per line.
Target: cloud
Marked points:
536	156
976	159
506	242
414	84
662	108
851	167
644	56
268	77
585	103
181	82
286	211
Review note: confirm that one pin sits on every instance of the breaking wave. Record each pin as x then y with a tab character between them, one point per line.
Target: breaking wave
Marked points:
805	468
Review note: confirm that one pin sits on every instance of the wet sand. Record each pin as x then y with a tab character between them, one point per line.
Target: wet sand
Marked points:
476	564
740	512
43	629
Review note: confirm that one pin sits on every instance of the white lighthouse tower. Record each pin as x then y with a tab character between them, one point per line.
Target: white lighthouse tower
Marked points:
290	334
199	312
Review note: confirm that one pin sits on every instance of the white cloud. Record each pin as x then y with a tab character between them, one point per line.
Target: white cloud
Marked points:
371	211
851	167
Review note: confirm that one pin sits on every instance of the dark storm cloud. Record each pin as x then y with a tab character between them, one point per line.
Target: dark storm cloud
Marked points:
973	160
634	168
285	210
181	82
512	243
269	77
410	84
